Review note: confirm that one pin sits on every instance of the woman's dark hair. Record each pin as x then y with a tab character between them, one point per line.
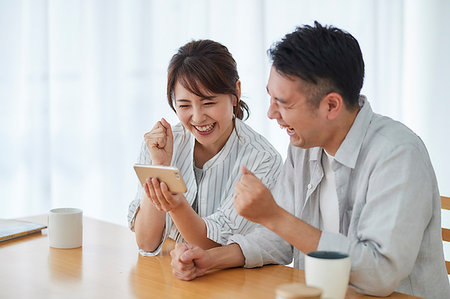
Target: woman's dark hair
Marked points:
328	58
205	65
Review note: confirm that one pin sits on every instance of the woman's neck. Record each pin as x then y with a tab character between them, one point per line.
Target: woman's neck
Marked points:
203	154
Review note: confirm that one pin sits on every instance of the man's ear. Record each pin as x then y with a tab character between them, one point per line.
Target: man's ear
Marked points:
332	104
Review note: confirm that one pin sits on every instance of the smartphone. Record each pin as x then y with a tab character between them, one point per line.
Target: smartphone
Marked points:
167	174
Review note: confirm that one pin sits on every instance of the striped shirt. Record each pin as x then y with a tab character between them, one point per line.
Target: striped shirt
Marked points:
214	192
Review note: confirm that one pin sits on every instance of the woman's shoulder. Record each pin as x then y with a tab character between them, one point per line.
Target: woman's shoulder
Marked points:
248	137
180	134
178	129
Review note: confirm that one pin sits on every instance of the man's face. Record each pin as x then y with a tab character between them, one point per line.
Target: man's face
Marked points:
290	108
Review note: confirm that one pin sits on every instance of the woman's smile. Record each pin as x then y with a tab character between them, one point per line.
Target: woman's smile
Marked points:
205	129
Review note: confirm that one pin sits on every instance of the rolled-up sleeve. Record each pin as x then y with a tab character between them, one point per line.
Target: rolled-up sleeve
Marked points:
261	247
166	233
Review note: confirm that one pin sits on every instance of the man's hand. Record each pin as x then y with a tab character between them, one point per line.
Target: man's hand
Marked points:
159	142
253	200
161	197
189	262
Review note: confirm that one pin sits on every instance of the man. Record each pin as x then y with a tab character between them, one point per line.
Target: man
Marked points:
353	181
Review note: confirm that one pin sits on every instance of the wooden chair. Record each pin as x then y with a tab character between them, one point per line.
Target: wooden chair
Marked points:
445	205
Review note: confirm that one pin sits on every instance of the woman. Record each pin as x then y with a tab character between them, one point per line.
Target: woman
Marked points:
208	146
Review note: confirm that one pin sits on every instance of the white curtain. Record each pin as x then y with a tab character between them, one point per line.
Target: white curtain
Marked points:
81	81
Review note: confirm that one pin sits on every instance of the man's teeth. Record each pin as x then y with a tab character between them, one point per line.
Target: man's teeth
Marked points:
205	128
289	129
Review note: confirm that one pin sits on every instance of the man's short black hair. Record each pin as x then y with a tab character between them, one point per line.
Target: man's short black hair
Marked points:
327	57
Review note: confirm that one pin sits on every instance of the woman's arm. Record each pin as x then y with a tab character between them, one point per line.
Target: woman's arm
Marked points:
149	221
191	226
189	223
149	225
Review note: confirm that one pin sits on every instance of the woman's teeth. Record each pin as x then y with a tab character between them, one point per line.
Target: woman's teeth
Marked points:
205	128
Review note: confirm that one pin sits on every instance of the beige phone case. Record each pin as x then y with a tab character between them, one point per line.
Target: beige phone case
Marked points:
167	174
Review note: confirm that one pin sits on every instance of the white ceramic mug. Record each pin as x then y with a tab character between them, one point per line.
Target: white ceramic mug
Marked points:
329	271
65	228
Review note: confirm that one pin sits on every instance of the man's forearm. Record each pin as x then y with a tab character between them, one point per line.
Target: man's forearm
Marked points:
294	230
229	256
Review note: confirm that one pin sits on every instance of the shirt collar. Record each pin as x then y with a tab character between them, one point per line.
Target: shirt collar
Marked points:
348	152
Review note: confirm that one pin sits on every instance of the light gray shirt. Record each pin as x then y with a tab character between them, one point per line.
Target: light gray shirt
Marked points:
213	193
389	210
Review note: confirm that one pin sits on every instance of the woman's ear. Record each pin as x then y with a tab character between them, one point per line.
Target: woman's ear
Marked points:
238	91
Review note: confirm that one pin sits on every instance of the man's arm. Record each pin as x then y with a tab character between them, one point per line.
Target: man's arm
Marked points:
256	203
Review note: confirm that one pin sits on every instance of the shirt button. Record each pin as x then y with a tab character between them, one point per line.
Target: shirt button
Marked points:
310	186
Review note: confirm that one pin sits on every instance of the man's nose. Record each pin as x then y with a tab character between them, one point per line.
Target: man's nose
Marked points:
272	113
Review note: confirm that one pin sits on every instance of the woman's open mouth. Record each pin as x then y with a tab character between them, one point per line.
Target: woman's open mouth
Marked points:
206	129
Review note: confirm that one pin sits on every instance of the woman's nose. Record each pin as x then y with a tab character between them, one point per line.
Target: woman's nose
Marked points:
198	115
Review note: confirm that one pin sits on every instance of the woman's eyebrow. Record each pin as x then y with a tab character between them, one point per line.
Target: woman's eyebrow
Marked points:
206	98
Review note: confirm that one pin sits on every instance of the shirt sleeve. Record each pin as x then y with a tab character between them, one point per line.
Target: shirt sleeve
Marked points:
262	247
397	210
225	222
166	233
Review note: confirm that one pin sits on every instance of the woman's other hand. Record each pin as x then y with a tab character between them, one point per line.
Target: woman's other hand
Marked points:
159	142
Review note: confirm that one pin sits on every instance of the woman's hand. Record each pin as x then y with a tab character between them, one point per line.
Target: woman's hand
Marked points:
159	142
161	197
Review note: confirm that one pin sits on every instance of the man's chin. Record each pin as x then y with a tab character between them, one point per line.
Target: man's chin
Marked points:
298	142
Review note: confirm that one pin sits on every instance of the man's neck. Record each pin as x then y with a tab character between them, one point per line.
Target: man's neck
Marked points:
342	128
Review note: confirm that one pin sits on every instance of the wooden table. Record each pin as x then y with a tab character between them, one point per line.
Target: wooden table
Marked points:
109	266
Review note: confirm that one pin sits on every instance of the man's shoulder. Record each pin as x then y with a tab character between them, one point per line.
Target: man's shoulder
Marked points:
386	133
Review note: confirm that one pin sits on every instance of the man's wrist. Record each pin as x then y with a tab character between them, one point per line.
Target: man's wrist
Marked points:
272	222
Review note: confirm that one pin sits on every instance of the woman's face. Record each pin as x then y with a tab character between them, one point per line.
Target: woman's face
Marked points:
209	119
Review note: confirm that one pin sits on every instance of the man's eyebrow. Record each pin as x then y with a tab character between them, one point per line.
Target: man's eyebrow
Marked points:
277	99
280	100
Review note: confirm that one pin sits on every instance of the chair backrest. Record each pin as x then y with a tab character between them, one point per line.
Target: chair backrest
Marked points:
445	205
